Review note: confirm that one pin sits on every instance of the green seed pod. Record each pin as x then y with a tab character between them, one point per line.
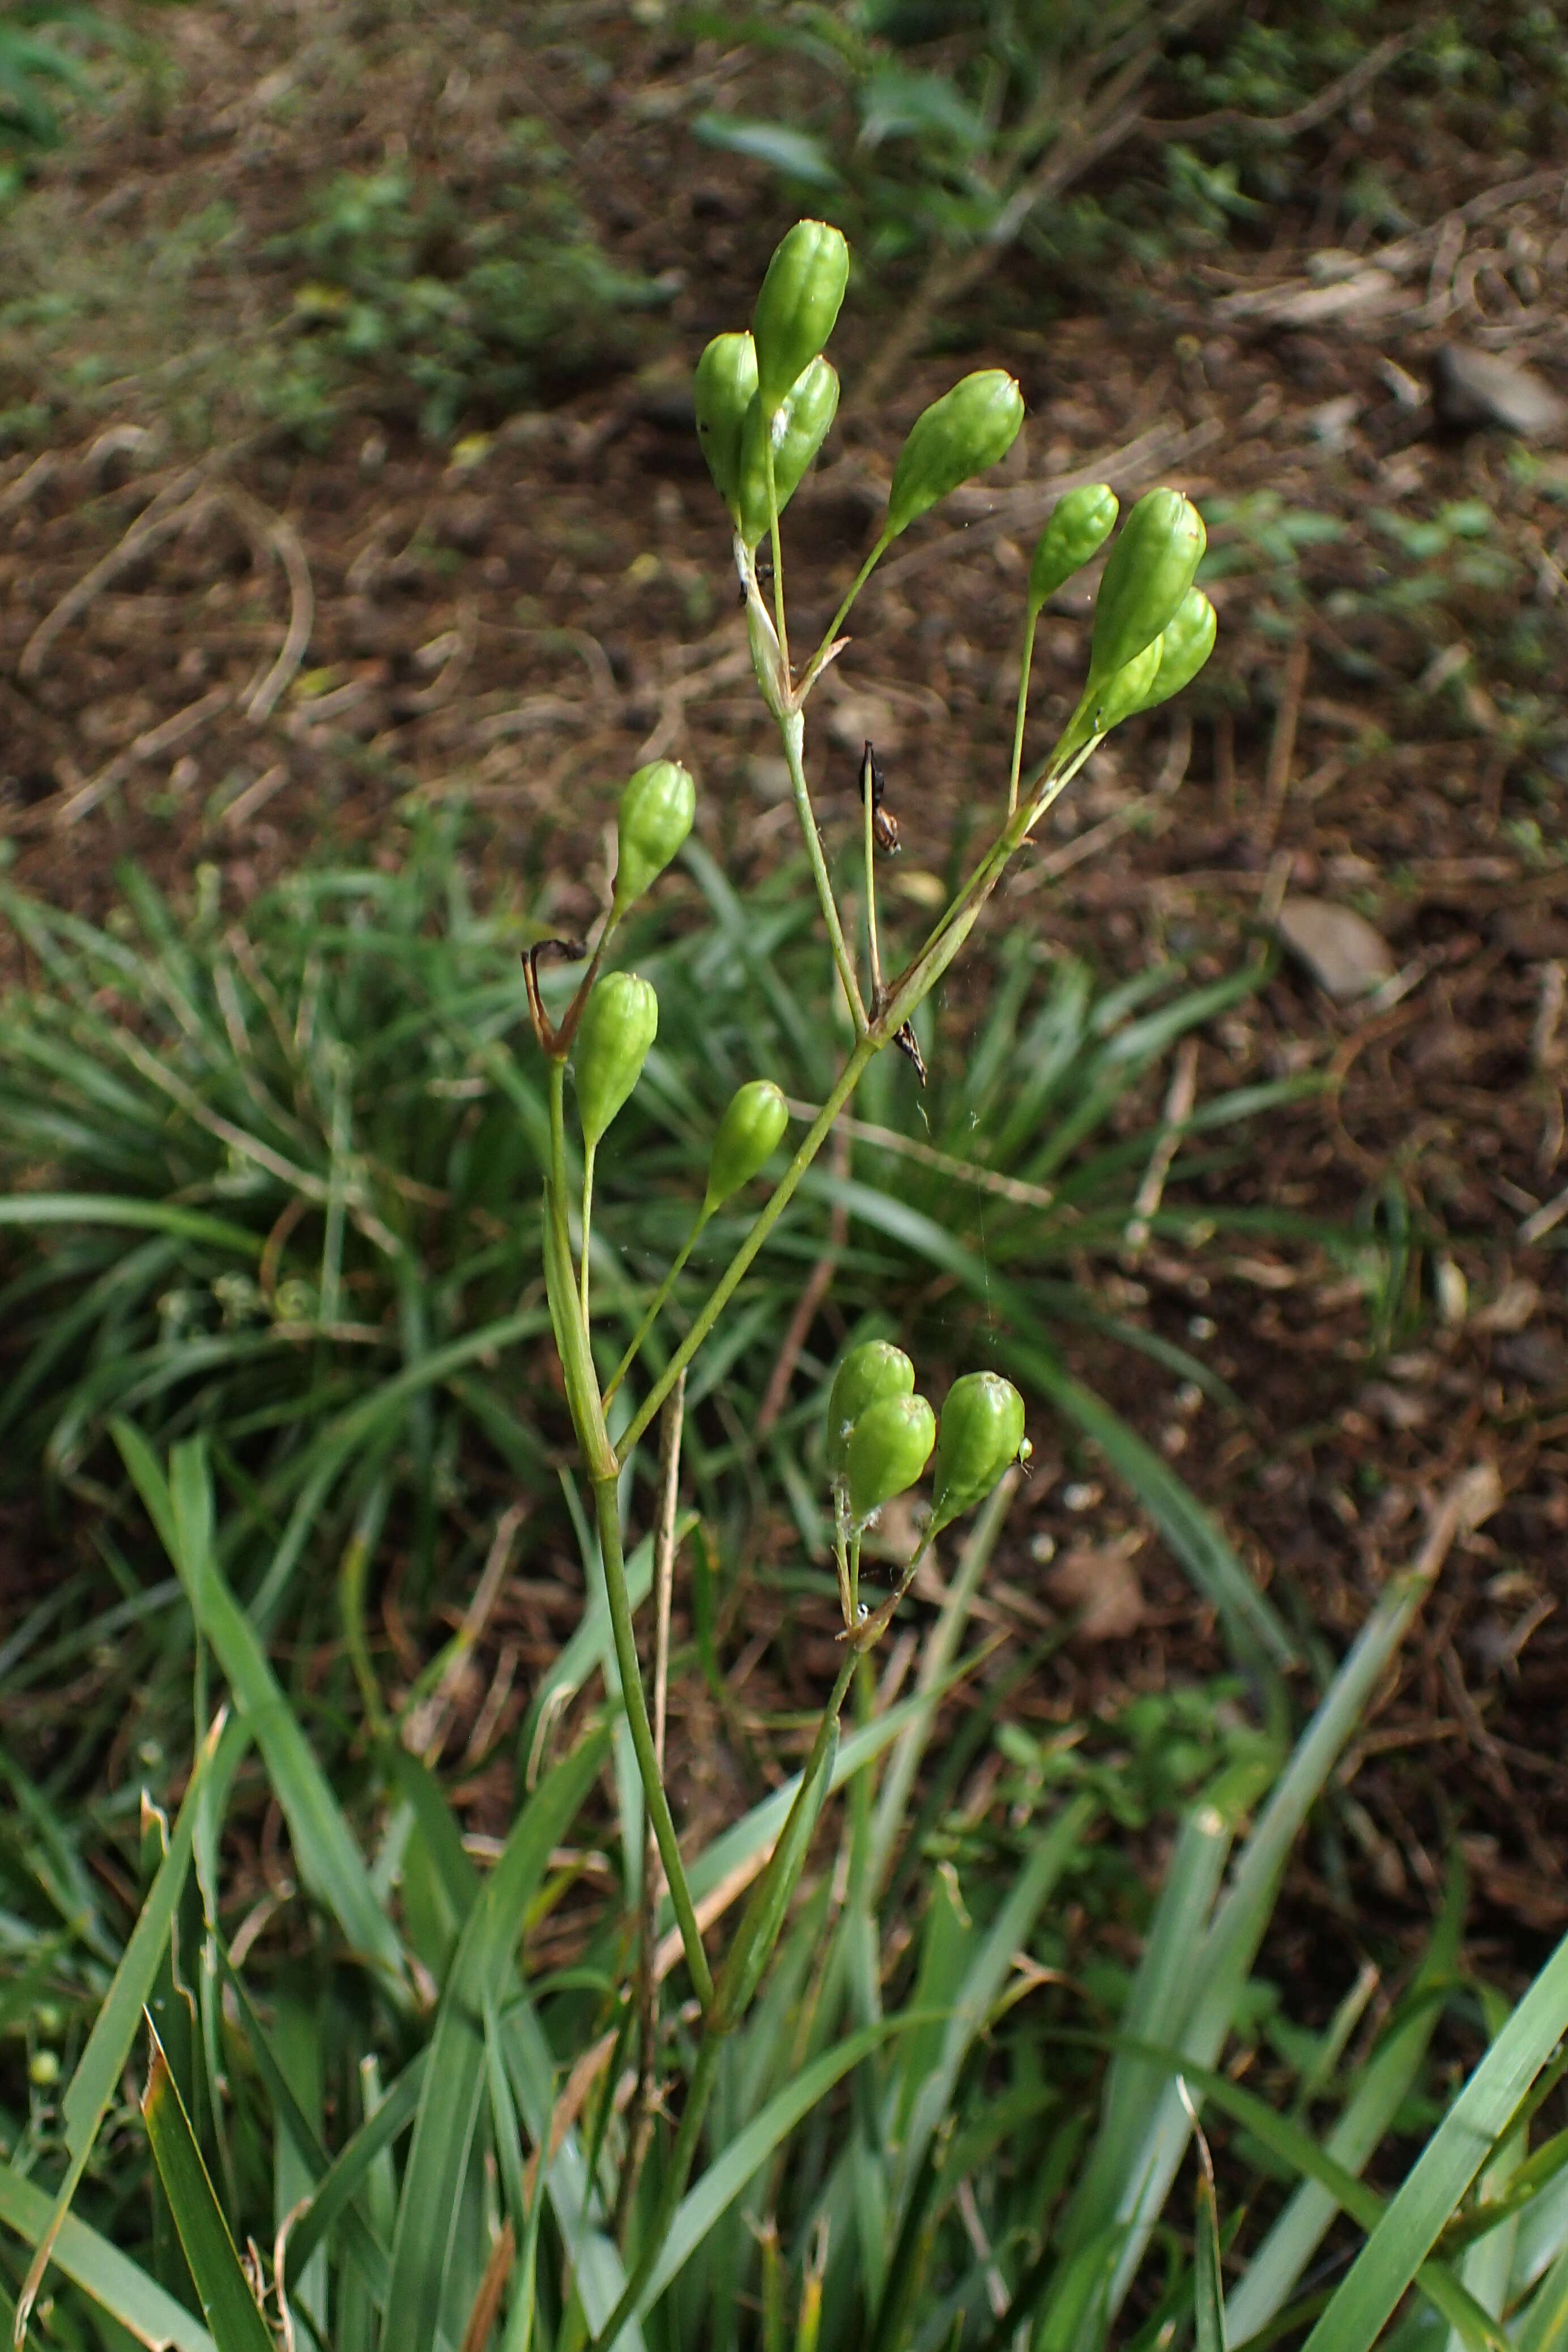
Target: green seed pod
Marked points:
1185	643
722	390
748	1132
980	1433
797	306
1108	703
890	1445
1079	526
657	809
1150	571
620	1021
44	2069
960	435
799	429
868	1373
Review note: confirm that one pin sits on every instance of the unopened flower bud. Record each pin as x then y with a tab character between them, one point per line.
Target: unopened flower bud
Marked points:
799	427
960	435
657	809
1185	643
620	1021
980	1433
748	1134
890	1445
1081	521
797	305
870	1372
721	390
1150	571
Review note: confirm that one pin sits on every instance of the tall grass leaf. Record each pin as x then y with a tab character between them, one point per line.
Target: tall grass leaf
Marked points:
1246	1908
97	2077
1381	2085
116	2284
727	2176
1368	2296
1157	2001
1208	2287
130	1216
1542	2325
452	2092
328	1858
227	2304
756	1831
988	1973
353	2170
1294	2148
936	1657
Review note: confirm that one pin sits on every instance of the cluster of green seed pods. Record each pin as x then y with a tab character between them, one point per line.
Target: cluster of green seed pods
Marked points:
882	1434
1153	629
772	392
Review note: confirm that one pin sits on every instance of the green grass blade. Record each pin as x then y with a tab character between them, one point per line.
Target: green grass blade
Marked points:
1367	2297
454	2089
227	2304
726	2177
1243	1916
1385	2082
144	2309
328	1858
1208	2287
97	2077
141	1216
985	1976
1542	2327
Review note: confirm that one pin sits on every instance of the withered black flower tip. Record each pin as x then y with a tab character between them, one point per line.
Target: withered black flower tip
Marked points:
874	786
905	1040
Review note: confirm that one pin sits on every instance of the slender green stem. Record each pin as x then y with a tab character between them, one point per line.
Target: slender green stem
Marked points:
792	733
656	1305
587	1219
768	1216
606	1505
873	947
854	1579
565	1308
1023	668
843	613
777	547
700	2090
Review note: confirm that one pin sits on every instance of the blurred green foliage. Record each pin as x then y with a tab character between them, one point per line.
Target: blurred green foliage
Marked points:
449	313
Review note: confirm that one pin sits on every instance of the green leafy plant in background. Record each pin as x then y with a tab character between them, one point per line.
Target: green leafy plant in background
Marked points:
452	313
945	133
745	2111
37	69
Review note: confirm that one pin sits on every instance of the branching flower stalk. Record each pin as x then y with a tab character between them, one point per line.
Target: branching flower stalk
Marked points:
764	401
